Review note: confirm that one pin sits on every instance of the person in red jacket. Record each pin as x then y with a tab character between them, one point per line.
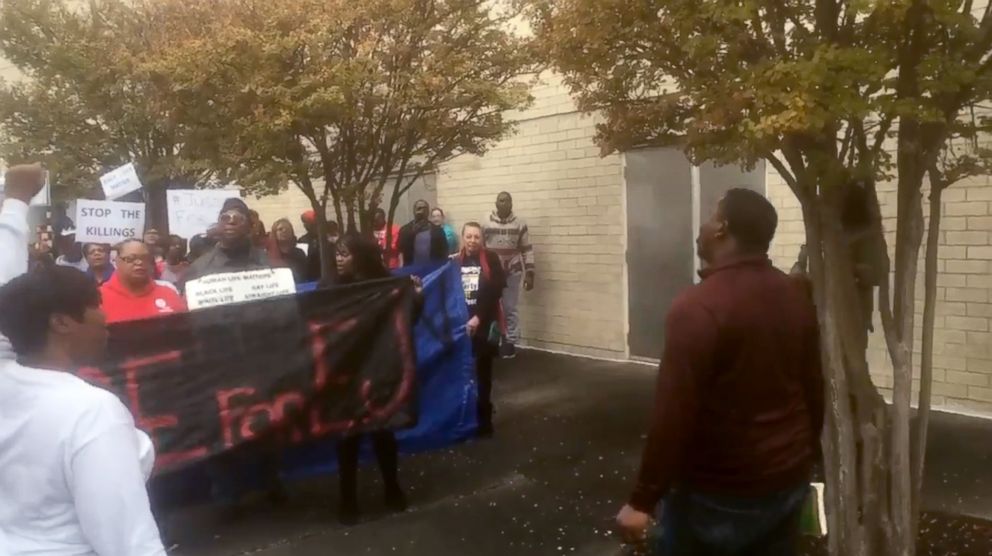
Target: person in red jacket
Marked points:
132	292
739	403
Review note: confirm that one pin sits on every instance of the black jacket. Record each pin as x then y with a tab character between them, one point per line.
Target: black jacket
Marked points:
297	261
312	272
407	241
490	293
219	260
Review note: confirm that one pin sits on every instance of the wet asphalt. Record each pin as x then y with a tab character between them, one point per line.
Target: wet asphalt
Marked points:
568	437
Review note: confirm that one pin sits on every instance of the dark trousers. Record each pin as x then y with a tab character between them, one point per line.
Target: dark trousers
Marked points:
694	524
229	471
387	454
484	378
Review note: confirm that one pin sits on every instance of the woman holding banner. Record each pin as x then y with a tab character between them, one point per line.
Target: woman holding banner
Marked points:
483	281
359	259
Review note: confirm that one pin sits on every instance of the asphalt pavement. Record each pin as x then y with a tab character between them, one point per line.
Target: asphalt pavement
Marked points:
568	437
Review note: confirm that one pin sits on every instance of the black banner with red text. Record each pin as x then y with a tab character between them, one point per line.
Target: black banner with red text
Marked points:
321	363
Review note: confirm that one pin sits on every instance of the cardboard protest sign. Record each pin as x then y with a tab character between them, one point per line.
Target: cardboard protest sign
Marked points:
332	361
118	183
237	287
192	211
108	221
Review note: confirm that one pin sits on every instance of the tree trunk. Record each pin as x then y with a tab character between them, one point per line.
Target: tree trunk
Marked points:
937	186
857	425
156	207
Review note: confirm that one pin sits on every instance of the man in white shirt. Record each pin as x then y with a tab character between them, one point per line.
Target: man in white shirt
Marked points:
21	184
71	475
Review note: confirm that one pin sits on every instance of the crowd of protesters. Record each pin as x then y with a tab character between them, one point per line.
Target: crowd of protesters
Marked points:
734	434
76	442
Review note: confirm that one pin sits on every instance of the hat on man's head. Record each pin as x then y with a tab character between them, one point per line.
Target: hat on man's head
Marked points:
309	217
63	226
236	204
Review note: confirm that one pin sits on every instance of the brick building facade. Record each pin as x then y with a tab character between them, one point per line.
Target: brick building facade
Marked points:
575	202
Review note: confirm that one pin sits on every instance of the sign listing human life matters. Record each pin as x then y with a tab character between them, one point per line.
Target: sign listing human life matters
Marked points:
108	222
119	182
237	287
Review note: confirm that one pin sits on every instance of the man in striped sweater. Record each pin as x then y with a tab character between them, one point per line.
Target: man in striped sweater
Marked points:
508	237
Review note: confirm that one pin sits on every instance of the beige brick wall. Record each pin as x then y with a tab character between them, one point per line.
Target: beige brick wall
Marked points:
289	204
571	199
963	342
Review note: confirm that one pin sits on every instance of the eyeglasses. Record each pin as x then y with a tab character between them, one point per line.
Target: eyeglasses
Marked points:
135	259
233	217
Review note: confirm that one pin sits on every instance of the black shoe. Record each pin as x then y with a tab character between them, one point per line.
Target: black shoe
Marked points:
485	431
348	513
507	350
396	500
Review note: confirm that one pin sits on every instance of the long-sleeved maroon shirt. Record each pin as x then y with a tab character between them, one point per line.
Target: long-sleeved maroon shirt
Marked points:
739	403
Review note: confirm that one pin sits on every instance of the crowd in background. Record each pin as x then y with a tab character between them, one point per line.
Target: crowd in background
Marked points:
138	273
58	299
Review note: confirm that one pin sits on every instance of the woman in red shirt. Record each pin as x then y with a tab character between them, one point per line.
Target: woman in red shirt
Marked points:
132	293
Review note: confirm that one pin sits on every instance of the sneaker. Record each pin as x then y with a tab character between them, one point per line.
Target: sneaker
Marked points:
507	350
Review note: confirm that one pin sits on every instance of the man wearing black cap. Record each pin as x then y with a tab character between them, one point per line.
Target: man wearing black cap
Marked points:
234	251
70	253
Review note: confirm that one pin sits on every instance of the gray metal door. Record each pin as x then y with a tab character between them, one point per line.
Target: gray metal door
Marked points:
715	181
659	242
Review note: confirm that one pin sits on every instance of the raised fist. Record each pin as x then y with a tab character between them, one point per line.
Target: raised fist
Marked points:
24	181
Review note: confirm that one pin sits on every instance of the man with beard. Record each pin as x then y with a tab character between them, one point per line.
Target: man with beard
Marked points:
420	241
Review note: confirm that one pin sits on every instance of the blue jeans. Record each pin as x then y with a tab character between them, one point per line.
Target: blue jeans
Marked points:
694	524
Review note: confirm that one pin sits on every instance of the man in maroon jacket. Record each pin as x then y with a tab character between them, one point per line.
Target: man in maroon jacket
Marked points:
739	407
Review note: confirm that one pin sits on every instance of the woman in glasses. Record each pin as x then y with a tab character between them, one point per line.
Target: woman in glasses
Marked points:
132	293
234	251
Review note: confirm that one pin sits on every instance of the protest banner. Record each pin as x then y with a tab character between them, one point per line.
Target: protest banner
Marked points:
445	377
108	221
445	385
192	211
238	287
119	182
326	362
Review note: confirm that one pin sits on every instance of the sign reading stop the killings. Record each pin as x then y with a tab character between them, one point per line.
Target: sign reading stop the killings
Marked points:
108	221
